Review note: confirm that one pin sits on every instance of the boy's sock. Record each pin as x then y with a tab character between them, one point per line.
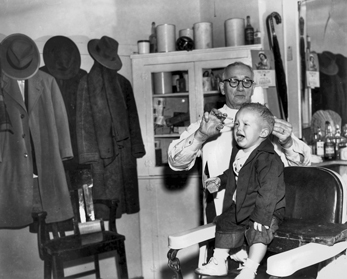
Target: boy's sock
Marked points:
249	270
220	254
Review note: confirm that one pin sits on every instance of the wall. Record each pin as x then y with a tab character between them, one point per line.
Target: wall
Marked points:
127	22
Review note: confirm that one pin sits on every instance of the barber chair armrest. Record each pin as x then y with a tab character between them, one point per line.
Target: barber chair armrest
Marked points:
192	236
287	263
185	239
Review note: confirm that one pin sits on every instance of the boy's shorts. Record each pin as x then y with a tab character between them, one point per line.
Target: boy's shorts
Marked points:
265	236
231	235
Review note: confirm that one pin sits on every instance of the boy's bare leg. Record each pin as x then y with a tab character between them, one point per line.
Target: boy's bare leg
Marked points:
256	253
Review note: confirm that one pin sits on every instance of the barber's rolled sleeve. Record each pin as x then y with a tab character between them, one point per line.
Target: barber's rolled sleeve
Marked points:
298	154
182	152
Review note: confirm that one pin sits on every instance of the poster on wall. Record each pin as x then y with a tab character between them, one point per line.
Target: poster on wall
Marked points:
312	70
264	68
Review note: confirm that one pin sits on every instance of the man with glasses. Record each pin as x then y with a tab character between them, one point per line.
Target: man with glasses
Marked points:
210	138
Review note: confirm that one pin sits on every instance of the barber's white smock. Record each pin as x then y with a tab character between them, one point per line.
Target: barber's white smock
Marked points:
216	153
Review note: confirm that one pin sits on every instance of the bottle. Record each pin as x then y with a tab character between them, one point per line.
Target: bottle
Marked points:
249	32
181	83
314	144
257	37
153	40
319	143
338	140
344	131
343	144
329	143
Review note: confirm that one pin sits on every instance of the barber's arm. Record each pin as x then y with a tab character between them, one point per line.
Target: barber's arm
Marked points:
295	151
182	153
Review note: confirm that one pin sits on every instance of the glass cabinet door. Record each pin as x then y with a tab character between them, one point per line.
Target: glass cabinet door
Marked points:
213	98
171	102
173	90
208	75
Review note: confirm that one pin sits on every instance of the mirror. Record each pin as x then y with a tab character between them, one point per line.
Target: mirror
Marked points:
326	25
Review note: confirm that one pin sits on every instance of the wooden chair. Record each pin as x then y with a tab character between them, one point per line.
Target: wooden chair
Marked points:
70	240
315	213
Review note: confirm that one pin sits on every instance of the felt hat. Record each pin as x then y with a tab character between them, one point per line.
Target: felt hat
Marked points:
327	64
20	56
62	57
105	51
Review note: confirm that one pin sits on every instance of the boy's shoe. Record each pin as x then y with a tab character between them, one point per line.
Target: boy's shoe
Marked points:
213	268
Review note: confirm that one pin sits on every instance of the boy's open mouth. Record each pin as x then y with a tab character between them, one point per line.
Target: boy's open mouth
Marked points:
239	137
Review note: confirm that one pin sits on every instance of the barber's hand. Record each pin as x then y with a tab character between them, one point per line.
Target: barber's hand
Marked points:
283	130
211	124
258	227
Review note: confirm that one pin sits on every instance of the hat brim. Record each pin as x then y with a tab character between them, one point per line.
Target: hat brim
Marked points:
11	72
54	45
115	64
330	68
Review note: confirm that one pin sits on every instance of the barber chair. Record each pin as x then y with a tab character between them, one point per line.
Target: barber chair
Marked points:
80	237
313	231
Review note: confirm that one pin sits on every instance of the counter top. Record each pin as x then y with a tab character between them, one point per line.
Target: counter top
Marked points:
330	163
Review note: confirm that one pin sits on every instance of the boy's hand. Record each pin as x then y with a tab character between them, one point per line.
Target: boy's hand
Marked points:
212	184
258	227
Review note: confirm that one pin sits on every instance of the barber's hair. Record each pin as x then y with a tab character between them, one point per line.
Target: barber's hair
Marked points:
264	113
237	63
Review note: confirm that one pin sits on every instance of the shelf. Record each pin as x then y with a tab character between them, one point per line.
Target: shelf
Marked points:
166	95
184	94
214	92
167	136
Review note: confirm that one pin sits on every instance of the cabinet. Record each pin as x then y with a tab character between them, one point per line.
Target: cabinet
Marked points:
172	90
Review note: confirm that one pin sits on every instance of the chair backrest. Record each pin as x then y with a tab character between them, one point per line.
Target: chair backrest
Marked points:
80	184
314	193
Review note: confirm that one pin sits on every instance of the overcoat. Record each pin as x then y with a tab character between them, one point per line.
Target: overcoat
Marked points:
68	88
46	120
109	137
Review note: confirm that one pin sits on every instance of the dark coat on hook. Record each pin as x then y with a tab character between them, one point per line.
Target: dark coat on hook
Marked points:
68	88
109	137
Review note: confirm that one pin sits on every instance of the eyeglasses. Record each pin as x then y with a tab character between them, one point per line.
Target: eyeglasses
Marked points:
234	82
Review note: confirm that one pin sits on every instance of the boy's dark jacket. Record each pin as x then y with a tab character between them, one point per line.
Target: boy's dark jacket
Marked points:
260	186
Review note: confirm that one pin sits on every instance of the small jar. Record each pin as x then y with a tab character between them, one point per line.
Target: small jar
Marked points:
143	46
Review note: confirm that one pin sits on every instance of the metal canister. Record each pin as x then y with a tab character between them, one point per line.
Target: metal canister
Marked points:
203	35
166	37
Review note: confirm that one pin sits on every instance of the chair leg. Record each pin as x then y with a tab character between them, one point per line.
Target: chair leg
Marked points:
58	269
97	267
174	263
47	269
122	267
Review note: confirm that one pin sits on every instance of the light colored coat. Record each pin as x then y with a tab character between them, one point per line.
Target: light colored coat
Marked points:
46	120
